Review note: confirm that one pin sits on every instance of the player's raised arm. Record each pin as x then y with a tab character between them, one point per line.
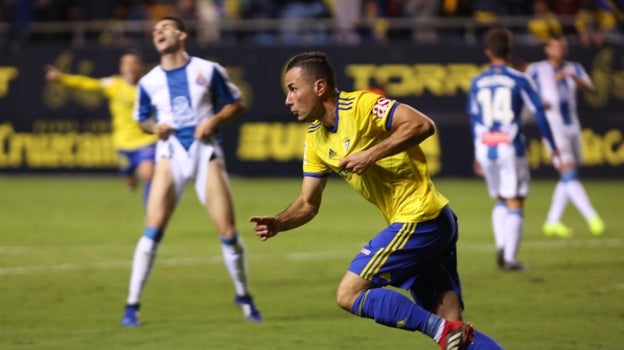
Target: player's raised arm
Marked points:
74	81
298	213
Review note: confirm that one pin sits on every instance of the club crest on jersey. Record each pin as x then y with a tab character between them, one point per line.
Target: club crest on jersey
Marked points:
200	80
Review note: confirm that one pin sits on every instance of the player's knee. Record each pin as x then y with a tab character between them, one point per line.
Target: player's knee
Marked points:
146	173
343	300
345	297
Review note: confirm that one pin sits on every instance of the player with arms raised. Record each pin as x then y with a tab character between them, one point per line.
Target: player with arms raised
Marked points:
495	104
135	147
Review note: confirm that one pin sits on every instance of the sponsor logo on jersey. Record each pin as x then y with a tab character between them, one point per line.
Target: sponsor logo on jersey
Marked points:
493	138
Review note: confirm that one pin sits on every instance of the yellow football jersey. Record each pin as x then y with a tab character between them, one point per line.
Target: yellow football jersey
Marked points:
399	185
127	135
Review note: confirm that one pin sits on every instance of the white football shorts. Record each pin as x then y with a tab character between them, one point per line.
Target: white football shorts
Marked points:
506	177
568	141
187	165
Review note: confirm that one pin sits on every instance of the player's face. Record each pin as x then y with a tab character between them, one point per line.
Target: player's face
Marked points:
166	36
301	97
130	67
556	49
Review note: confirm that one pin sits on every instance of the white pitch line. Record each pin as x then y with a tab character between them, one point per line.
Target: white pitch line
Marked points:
300	256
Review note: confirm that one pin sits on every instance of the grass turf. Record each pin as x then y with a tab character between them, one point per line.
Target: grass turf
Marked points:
66	245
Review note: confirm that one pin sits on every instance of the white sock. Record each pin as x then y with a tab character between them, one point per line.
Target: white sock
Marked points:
558	204
513	224
499	214
234	258
578	196
144	256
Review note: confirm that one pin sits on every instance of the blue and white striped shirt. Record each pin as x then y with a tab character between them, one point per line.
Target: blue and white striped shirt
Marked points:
495	102
184	97
560	95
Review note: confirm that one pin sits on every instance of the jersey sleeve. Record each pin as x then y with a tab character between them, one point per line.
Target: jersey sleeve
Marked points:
142	106
580	72
472	107
379	108
531	73
534	102
223	90
81	82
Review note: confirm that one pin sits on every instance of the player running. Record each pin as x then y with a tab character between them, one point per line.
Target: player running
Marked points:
373	143
134	146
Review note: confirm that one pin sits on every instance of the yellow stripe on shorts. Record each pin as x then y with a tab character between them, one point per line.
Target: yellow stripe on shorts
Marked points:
381	256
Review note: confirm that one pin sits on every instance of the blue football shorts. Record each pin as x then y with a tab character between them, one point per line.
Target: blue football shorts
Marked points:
130	160
416	256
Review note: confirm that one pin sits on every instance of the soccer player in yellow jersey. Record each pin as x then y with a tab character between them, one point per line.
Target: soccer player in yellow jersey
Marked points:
135	147
373	143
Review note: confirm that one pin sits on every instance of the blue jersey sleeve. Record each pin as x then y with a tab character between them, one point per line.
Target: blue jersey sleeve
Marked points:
534	102
144	105
472	109
220	91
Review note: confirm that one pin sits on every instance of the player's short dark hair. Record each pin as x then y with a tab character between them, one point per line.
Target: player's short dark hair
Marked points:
555	37
314	63
499	41
134	52
180	25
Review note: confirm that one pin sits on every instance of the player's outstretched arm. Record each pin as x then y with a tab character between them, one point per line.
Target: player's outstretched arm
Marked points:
298	213
74	81
51	73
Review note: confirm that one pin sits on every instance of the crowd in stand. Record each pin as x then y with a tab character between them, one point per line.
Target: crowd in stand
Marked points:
348	22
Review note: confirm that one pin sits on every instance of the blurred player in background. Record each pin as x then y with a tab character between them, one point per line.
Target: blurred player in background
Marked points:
179	101
495	103
135	147
558	81
373	143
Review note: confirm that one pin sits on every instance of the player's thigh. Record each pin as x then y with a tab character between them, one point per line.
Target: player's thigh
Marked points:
162	199
491	174
145	170
402	252
218	198
576	149
515	178
124	163
569	148
145	162
349	288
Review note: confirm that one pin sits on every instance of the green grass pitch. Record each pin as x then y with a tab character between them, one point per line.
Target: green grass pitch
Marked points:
66	244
